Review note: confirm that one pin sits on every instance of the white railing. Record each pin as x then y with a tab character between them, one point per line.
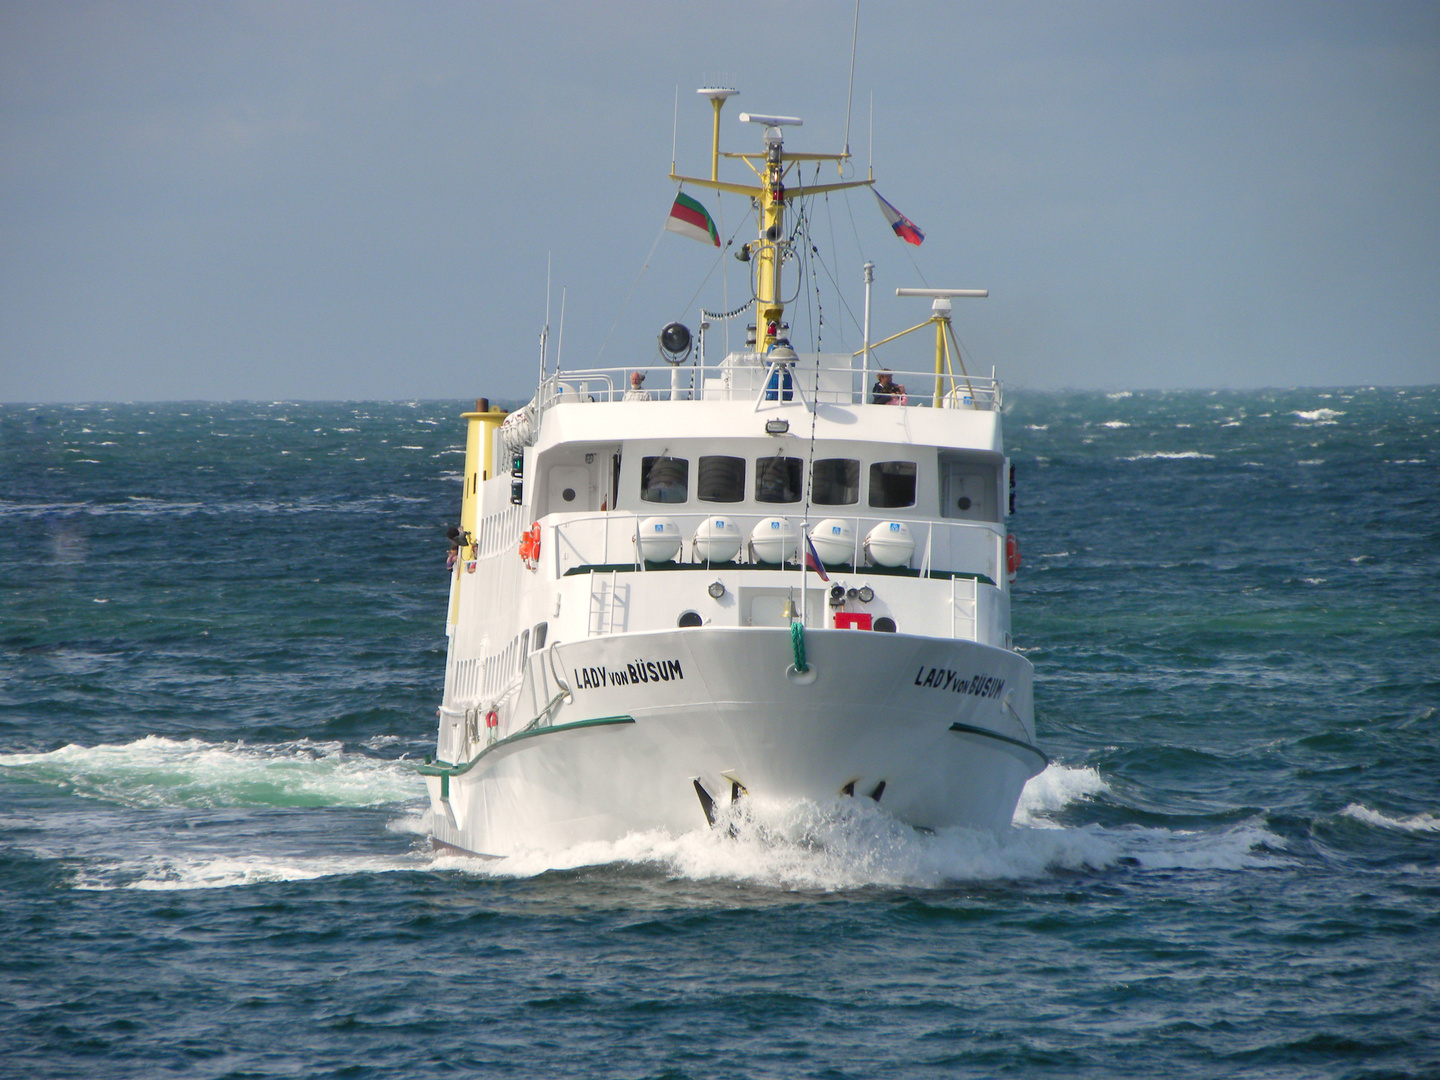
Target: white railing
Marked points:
836	380
609	539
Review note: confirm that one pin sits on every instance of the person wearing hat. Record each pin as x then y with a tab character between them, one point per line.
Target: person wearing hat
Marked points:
637	391
886	392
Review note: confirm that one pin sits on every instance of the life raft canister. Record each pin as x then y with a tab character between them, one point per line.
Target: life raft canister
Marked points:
1012	553
530	546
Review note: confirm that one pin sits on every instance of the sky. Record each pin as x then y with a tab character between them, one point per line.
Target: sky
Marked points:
318	200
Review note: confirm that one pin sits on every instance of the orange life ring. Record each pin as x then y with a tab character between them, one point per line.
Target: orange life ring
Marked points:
1012	553
492	719
530	546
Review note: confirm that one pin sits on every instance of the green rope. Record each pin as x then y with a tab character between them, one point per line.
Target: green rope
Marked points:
797	639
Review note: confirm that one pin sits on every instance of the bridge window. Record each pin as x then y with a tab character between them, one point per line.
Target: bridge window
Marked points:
892	484
664	479
720	479
778	480
835	481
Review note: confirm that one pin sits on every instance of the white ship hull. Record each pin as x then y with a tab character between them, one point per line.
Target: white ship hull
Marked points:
755	579
939	730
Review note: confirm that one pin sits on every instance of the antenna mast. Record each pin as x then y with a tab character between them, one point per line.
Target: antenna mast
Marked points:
850	92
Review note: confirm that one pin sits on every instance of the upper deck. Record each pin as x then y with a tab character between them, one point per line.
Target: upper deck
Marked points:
824	378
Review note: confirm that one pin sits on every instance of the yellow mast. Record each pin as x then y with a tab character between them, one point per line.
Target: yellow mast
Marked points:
480	428
769	197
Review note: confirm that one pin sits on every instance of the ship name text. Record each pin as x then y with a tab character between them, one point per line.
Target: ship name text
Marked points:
634	674
985	686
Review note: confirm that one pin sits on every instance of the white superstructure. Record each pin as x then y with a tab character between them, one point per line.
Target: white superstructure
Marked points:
634	639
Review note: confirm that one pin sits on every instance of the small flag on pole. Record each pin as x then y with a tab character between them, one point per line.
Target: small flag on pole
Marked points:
812	559
689	218
904	228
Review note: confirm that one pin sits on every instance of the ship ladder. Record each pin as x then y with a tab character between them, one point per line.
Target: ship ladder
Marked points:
962	608
605	602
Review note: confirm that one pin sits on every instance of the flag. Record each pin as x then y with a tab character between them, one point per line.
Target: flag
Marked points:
689	218
812	560
904	228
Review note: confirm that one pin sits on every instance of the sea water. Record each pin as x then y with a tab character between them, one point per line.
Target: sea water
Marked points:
222	645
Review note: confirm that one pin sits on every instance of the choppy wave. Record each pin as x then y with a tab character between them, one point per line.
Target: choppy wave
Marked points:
1056	788
834	847
157	772
171	873
136	507
1170	455
1425	823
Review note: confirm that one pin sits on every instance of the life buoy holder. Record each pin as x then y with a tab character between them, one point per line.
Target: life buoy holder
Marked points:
530	546
1012	553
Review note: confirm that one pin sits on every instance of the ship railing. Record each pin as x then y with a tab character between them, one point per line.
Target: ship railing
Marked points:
835	379
607	542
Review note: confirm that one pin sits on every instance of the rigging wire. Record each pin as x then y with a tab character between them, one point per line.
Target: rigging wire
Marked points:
626	302
719	259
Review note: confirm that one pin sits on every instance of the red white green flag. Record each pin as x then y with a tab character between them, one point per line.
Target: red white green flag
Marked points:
689	218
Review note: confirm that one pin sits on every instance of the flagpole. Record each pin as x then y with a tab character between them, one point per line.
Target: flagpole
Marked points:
865	364
804	570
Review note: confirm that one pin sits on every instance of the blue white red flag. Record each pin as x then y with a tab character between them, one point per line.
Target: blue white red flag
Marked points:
904	228
812	560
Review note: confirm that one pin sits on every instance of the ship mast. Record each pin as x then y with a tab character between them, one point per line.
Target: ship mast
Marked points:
769	197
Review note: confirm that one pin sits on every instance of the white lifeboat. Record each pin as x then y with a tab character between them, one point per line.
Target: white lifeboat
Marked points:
834	540
658	539
891	543
717	539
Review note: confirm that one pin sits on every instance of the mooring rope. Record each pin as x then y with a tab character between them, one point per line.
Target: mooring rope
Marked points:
797	640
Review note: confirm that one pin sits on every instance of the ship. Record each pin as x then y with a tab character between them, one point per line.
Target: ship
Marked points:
763	581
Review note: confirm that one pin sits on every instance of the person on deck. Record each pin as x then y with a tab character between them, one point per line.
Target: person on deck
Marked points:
885	391
637	391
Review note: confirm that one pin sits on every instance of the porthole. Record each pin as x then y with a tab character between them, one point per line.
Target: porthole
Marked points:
885	624
689	618
964	503
568	494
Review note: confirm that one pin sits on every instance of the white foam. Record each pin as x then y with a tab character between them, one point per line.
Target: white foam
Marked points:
1413	823
170	874
1056	788
842	845
1320	416
1115	424
159	772
1170	455
852	844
